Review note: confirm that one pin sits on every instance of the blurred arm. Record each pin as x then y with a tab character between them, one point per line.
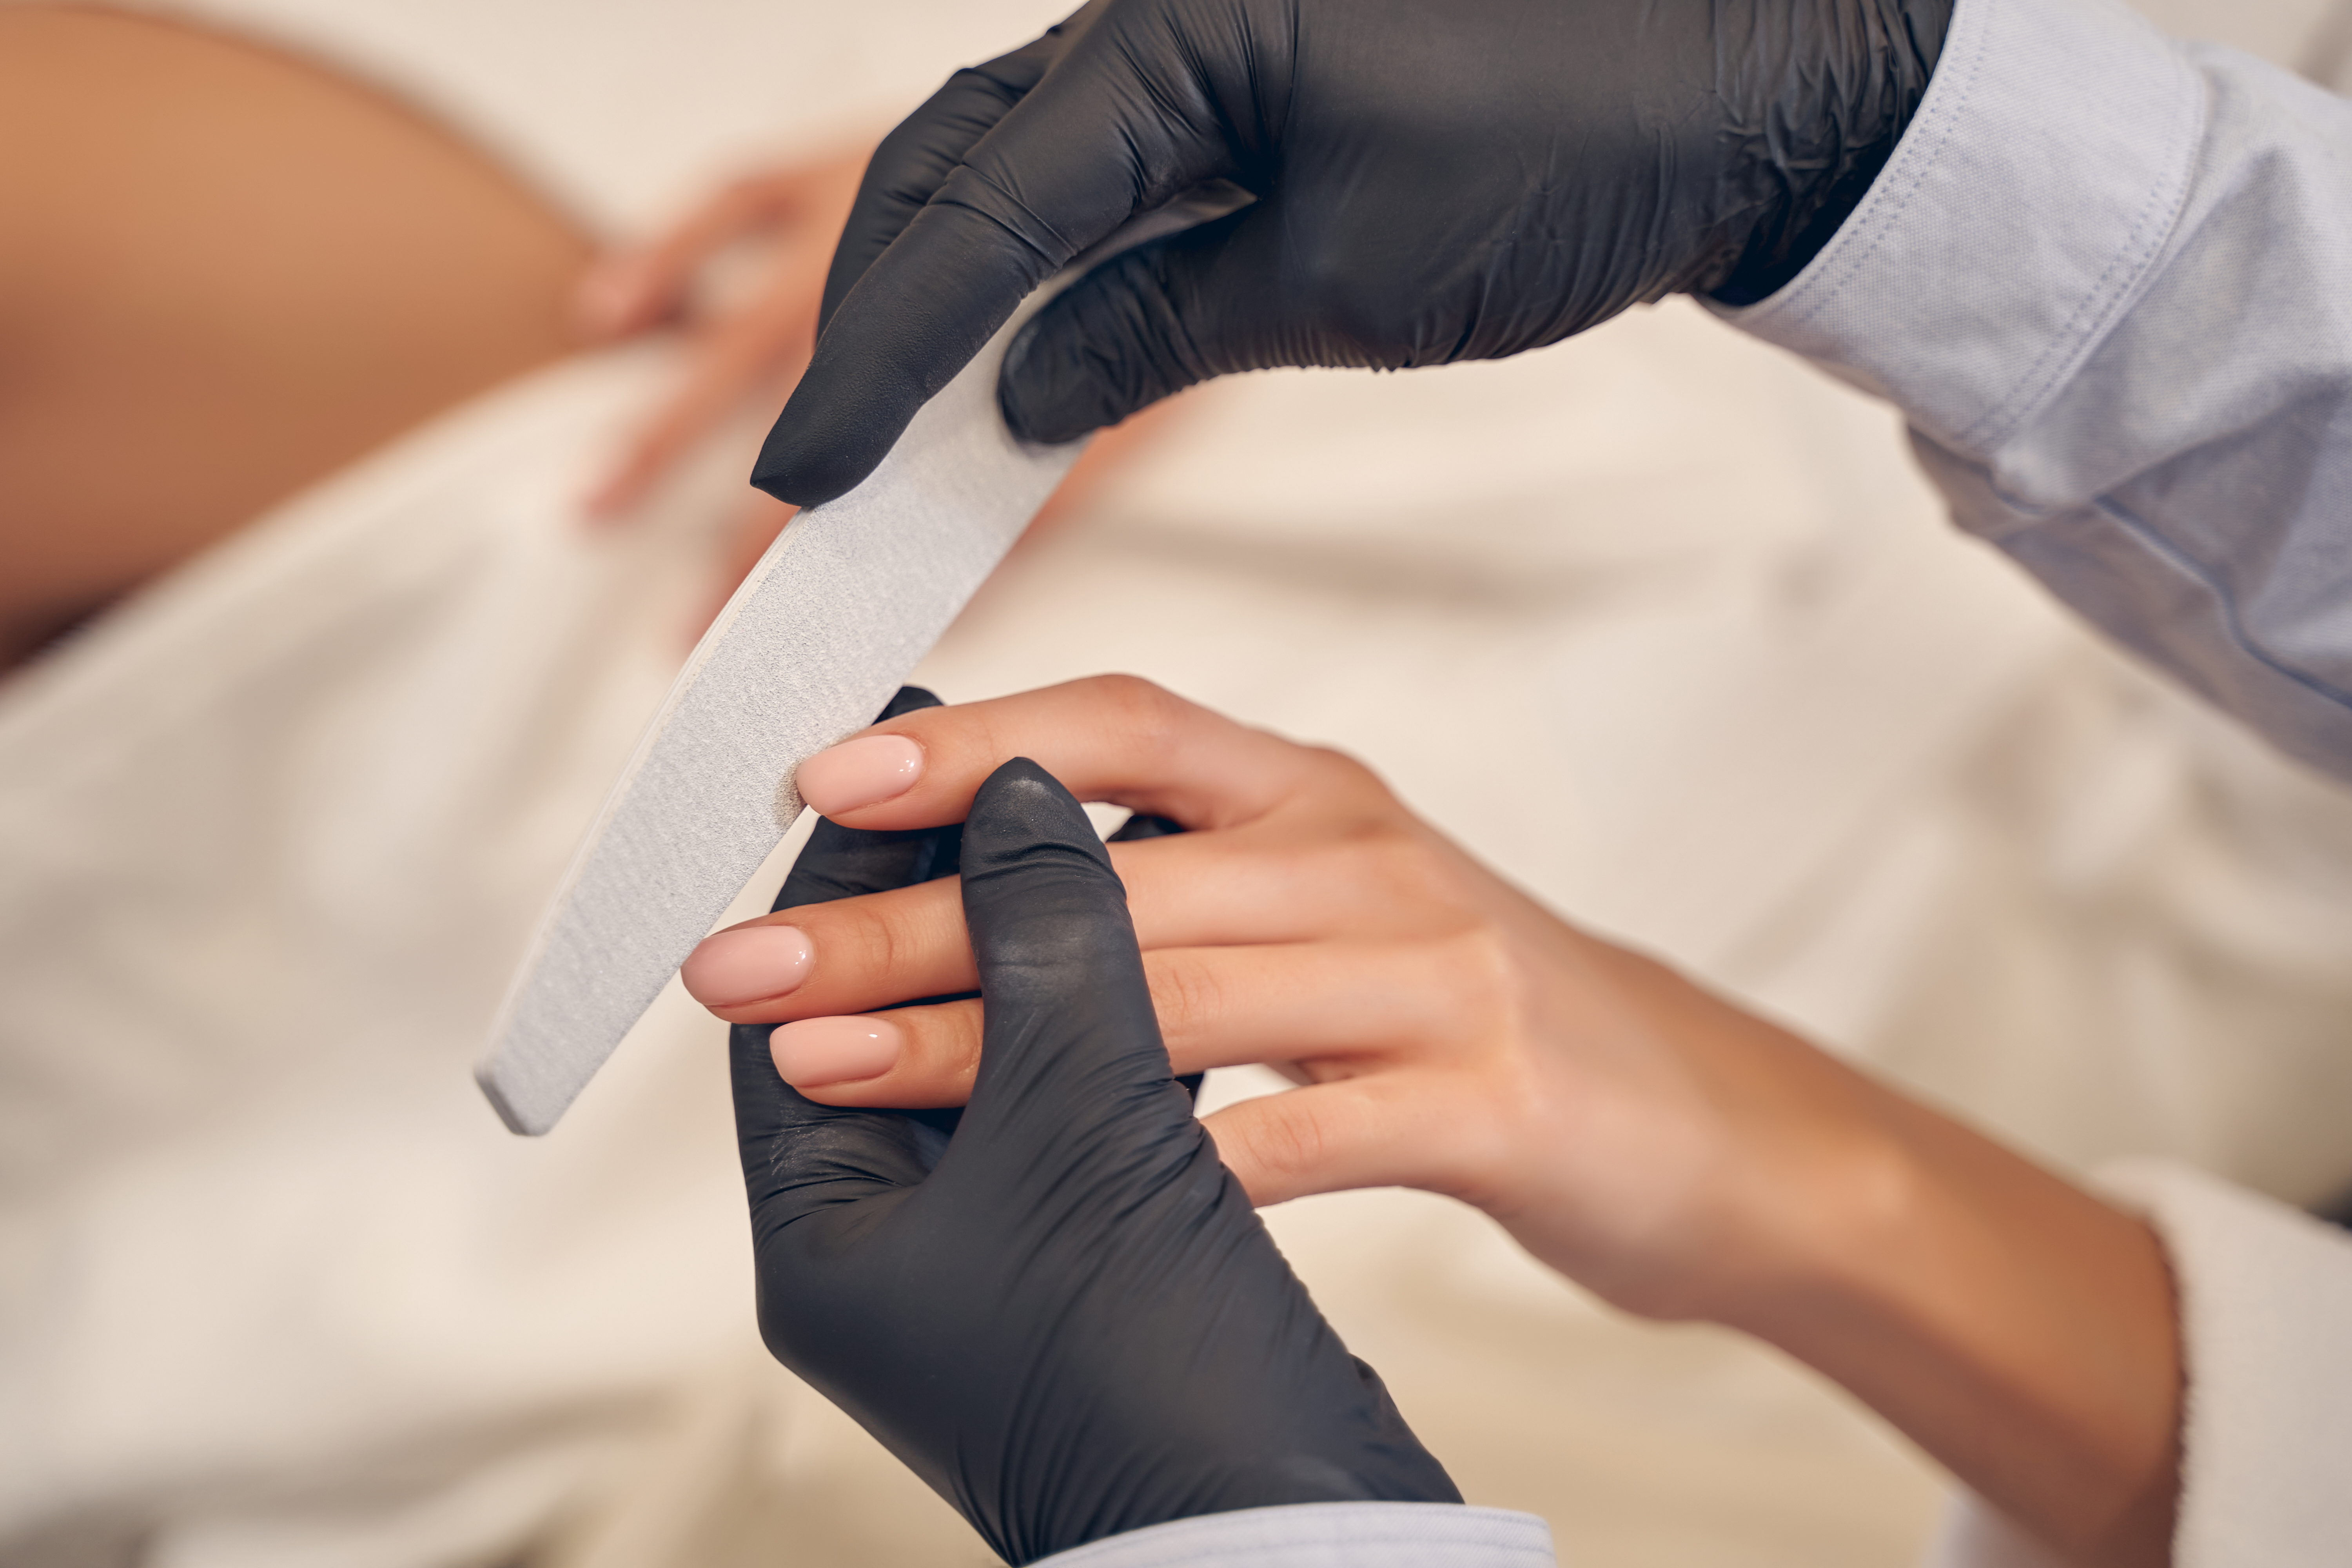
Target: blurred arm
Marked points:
225	274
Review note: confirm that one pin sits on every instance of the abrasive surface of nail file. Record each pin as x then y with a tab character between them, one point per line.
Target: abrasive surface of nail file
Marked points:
842	606
844	603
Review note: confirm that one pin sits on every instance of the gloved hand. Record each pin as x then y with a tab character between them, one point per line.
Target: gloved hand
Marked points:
1436	182
1056	1305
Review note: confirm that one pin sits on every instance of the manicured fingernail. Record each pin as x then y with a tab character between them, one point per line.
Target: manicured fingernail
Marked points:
817	1052
749	963
864	772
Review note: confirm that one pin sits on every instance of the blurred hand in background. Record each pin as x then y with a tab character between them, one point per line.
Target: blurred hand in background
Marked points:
741	275
750	328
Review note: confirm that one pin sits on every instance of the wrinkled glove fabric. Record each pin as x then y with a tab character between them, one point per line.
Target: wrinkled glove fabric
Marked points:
1434	184
1056	1305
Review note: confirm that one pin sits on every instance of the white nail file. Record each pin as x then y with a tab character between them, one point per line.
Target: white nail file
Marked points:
842	606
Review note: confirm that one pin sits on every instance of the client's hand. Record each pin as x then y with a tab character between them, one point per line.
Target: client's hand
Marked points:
750	342
1677	1154
1457	1037
1058	1308
749	335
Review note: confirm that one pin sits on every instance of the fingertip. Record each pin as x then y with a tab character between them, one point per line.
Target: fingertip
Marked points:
844	416
1068	1009
611	495
1017	809
822	1053
1039	890
608	298
629	480
911	323
746	964
867	770
805	468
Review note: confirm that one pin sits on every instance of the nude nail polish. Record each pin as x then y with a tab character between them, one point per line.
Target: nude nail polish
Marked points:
864	772
749	963
816	1053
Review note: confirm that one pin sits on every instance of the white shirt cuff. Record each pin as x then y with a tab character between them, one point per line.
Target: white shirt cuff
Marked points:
1330	1535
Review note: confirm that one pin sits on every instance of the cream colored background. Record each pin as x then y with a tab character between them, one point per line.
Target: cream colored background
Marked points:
1657	621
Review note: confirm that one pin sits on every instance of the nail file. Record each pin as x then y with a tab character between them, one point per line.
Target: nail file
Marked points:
839	610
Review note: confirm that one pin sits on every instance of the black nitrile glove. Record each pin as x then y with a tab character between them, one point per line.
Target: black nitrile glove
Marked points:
1056	1305
1438	180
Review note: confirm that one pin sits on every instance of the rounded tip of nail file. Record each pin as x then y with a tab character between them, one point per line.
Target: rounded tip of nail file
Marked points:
833	618
822	632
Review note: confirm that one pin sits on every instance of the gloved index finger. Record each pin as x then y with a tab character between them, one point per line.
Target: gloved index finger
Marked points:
1088	148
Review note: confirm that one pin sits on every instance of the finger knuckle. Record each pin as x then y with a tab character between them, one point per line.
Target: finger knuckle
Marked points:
948	1041
878	945
1480	965
1186	996
1384	859
1138	704
1345	785
1147	717
886	938
1336	767
1289	1146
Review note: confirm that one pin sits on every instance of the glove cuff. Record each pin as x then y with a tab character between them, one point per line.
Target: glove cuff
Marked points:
1827	164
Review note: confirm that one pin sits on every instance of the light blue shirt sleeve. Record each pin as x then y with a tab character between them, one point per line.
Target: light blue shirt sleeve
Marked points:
2107	277
1329	1535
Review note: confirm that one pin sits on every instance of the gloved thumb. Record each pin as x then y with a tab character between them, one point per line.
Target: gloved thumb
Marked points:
1206	302
1069	1039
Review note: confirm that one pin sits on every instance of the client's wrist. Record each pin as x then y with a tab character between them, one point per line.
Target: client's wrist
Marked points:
2017	1328
1836	1199
1750	1165
1823	1196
